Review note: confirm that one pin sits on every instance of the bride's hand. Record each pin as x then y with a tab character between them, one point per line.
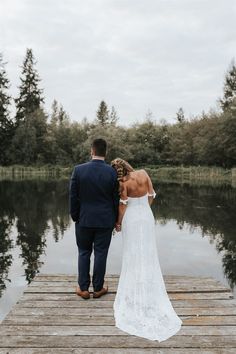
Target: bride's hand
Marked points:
118	227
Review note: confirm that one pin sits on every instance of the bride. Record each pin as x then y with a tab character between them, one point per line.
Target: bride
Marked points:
141	305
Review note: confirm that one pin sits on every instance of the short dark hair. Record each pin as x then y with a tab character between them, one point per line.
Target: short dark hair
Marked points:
99	147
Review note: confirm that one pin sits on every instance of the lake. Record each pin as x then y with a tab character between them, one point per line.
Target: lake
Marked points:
195	231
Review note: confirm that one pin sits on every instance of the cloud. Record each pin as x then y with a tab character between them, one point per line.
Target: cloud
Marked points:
137	55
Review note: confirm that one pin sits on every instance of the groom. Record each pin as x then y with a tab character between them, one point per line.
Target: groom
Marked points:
94	200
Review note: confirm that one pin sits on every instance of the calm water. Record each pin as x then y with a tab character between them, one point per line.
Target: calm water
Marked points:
195	230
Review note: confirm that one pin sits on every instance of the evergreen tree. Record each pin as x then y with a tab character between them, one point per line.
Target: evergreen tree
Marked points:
24	143
6	124
113	118
103	114
54	114
39	123
228	102
51	147
149	116
63	117
180	115
30	96
58	116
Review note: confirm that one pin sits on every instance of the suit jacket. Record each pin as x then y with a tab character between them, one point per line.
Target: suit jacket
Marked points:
94	194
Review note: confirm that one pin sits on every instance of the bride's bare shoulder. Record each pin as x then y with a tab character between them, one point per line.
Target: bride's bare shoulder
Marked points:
142	172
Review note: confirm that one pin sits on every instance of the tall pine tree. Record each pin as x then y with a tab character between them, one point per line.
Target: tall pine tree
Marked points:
228	102
30	96
54	114
6	124
113	116
103	114
180	115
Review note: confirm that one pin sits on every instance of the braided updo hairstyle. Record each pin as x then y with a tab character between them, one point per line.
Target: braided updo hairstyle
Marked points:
122	168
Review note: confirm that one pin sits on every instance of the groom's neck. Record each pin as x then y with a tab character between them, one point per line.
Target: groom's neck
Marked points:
94	157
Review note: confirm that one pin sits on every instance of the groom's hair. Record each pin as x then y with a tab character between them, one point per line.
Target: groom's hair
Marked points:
99	147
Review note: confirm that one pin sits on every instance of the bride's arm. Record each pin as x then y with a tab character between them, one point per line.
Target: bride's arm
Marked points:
122	206
151	192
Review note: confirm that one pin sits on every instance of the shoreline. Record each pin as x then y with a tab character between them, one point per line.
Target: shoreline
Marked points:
169	174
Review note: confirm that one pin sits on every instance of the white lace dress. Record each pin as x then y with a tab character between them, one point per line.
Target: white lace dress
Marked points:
142	306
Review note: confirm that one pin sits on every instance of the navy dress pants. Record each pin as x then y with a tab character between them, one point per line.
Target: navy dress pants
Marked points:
89	239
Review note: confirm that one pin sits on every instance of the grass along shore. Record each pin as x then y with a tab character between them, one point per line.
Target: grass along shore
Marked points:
21	172
179	174
194	174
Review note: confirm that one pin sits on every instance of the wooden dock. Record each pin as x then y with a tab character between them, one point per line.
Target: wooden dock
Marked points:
50	318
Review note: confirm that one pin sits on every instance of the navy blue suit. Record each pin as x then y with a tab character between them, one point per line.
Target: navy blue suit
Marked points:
94	200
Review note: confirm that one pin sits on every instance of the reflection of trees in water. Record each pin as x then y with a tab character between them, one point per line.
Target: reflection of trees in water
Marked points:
5	246
60	218
36	206
229	258
32	243
6	221
211	209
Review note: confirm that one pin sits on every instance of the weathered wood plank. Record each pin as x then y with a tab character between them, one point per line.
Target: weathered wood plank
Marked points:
97	303
116	351
102	302
114	282
45	330
71	289
98	320
100	308
111	296
169	286
53	280
19	311
210	320
62	297
116	276
53	341
206	295
39	320
174	279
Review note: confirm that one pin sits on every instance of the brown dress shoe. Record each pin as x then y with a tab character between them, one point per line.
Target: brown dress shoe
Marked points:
83	293
97	294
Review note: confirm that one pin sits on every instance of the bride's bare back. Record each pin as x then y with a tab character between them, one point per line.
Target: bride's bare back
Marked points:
136	185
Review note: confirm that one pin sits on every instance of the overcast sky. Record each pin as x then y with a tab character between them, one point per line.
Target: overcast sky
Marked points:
137	55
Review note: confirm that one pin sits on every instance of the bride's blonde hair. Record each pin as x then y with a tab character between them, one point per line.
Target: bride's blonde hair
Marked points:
122	167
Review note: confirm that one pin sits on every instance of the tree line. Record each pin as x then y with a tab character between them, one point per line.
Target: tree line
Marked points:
37	137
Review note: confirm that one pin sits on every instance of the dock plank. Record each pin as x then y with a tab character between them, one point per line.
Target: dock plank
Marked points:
116	351
102	302
111	296
113	280
113	288
96	320
61	286
103	341
6	330
108	311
